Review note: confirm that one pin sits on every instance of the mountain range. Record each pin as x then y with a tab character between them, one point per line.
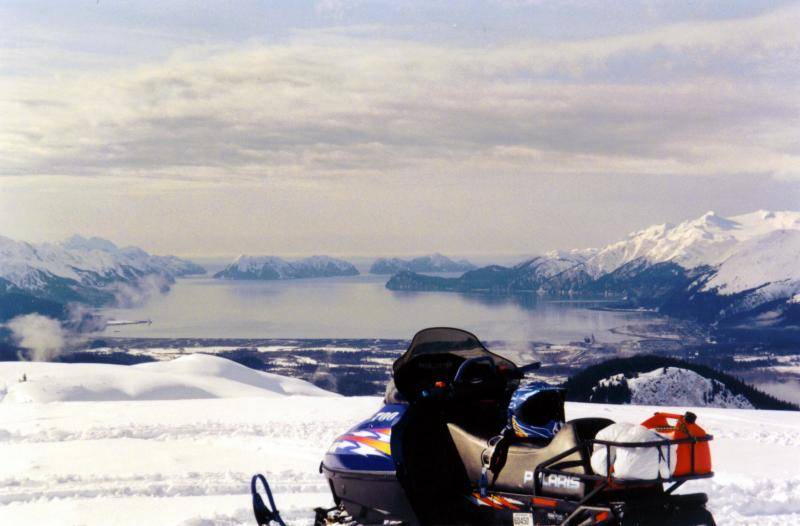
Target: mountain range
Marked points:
432	263
717	269
275	268
94	271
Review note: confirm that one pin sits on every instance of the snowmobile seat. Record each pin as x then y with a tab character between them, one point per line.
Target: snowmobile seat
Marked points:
515	473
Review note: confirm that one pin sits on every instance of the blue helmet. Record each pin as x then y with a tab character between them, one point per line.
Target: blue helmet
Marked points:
536	410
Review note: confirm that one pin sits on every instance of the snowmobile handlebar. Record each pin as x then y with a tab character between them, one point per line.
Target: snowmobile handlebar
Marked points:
518	373
458	378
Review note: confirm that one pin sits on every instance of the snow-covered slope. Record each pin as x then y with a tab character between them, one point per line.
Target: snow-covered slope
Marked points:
745	251
82	269
271	267
749	262
670	386
187	377
188	462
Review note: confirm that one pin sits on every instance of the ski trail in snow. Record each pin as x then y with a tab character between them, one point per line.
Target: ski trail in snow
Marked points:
152	485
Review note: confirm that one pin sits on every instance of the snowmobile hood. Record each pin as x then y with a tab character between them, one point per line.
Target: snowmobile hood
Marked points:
367	447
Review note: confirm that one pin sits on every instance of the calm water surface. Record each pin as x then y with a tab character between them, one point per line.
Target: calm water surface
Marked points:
356	307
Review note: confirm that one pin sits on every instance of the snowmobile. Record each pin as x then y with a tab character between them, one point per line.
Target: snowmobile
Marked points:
458	441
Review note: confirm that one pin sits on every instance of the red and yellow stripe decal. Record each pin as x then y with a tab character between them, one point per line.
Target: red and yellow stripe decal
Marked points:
384	446
496	502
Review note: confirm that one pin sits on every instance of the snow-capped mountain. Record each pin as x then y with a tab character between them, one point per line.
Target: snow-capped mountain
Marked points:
274	268
432	263
668	386
712	267
739	266
80	269
737	247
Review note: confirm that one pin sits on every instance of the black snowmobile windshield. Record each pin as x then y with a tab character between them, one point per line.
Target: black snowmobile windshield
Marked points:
435	355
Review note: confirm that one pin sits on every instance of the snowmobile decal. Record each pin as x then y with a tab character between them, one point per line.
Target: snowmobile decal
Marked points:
496	501
367	446
373	442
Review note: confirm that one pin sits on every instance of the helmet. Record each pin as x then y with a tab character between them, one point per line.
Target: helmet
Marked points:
536	410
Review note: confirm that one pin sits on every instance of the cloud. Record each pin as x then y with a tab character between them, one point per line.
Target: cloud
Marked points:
48	338
136	295
699	99
43	336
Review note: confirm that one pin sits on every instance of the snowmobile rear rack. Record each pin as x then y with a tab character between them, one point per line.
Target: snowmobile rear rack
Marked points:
600	512
587	445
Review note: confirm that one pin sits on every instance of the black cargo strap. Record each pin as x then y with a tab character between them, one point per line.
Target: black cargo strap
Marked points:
494	458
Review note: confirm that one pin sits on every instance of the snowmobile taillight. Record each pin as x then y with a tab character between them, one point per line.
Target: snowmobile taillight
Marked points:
440	384
602	517
544	503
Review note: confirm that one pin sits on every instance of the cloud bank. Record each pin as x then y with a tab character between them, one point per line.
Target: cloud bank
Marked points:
361	127
711	98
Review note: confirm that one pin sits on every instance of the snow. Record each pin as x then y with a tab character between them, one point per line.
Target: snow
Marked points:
187	462
709	240
754	252
766	259
187	377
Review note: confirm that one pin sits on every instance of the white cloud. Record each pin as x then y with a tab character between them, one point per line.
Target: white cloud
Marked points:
709	98
330	130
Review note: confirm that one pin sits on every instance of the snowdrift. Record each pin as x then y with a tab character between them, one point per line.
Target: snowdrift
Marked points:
188	377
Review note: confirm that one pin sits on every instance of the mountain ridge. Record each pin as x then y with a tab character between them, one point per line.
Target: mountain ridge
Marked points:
92	271
717	269
431	263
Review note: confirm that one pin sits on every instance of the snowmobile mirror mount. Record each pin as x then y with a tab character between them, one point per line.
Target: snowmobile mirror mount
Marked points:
533	366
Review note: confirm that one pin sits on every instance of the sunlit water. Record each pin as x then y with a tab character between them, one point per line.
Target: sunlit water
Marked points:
356	307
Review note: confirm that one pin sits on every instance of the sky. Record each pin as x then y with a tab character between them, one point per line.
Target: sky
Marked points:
388	128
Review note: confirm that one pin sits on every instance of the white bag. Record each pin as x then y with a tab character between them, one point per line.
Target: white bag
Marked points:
610	433
643	463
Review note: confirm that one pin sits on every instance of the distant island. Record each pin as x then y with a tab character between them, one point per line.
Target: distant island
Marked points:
737	270
431	263
275	268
